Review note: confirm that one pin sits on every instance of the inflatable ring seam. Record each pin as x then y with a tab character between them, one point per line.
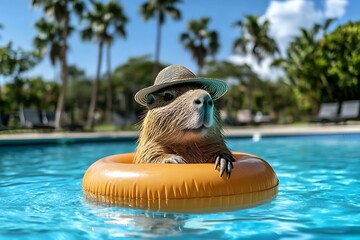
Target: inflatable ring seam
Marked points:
152	199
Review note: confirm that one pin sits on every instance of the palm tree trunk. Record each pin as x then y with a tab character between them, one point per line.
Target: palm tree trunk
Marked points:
64	75
92	107
157	48
201	57
326	85
61	100
0	90
109	86
250	93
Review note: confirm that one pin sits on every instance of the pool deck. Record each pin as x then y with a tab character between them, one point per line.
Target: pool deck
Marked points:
246	132
288	130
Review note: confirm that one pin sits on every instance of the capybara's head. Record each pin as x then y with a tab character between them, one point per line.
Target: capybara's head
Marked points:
181	106
181	113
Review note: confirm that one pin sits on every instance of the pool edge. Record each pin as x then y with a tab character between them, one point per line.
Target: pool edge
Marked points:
229	133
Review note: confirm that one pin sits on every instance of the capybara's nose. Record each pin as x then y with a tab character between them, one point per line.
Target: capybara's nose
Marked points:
203	100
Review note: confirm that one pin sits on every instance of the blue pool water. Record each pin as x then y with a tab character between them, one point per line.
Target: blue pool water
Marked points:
319	195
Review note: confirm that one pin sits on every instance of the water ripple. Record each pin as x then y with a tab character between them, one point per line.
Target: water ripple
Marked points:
41	195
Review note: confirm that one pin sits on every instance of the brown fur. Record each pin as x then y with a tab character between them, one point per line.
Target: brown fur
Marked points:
164	131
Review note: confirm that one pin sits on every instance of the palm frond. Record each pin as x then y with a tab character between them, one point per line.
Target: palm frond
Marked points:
278	62
120	30
238	23
87	33
213	42
200	41
55	53
173	12
327	23
184	37
147	10
254	38
79	8
240	45
104	21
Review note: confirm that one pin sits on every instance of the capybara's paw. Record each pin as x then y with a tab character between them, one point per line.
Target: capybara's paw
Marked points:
174	159
224	160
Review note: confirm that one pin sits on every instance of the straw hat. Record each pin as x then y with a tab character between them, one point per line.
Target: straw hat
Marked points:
173	75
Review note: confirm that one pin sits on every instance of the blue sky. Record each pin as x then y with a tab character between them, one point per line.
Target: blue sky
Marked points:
287	16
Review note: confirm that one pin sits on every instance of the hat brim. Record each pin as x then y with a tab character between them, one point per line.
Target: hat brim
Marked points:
216	88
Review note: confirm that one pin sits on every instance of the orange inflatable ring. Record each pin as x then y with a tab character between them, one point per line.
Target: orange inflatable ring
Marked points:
191	188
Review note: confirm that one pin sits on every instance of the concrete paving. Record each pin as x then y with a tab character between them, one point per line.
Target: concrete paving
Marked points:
271	130
279	130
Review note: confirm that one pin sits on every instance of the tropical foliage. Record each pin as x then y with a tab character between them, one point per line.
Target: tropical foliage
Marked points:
159	9
340	60
79	94
49	38
268	97
14	62
254	38
325	68
58	24
318	66
33	92
200	41
139	70
103	23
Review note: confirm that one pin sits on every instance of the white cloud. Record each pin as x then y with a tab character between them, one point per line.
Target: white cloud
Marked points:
262	70
286	18
335	8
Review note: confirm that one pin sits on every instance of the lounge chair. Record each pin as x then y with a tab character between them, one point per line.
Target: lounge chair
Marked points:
122	119
3	122
30	118
49	119
227	118
327	113
244	116
261	118
350	110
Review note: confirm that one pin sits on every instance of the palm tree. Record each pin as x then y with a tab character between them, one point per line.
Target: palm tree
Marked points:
159	9
49	36
103	23
254	39
301	64
200	41
60	12
1	27
14	63
109	92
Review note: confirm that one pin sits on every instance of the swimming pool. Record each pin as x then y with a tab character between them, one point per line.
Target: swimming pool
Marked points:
319	195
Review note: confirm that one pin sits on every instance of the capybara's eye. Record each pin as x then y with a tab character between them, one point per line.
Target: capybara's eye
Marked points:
150	99
168	96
